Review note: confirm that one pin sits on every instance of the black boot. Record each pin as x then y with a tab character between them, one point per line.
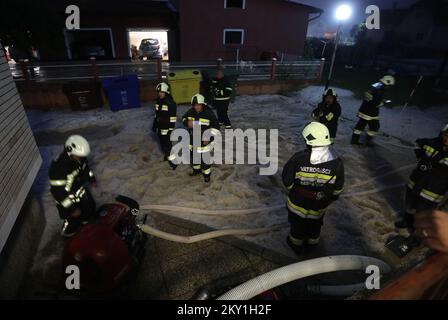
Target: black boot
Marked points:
195	173
172	165
207	178
369	141
298	250
355	139
69	228
401	224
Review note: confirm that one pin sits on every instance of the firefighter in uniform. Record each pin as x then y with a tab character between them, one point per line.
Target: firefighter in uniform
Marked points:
328	112
222	93
428	183
202	117
314	178
369	111
69	174
165	120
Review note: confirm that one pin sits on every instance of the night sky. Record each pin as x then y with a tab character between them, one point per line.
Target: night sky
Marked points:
327	22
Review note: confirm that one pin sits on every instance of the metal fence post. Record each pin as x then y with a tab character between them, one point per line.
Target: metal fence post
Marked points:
273	66
321	71
94	69
218	63
159	69
24	67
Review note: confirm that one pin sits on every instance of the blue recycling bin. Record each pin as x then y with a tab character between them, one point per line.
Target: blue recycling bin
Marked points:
122	92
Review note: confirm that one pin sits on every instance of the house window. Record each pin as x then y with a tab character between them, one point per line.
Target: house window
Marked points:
233	36
240	4
420	36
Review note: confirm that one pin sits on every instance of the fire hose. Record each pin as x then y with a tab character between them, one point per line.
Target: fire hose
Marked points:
209	235
227	212
300	270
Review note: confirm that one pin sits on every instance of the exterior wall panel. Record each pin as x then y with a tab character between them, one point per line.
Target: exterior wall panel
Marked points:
19	156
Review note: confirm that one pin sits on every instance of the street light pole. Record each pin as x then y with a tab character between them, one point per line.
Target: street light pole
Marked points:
333	58
342	13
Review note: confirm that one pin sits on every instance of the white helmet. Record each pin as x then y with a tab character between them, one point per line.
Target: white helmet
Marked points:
77	146
163	87
388	80
316	135
445	129
197	99
330	92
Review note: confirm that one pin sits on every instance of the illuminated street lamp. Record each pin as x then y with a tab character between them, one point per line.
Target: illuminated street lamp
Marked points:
343	13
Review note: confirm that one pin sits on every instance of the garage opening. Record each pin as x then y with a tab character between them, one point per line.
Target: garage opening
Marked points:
86	43
146	44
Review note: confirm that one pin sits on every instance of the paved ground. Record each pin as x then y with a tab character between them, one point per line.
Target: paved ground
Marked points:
172	270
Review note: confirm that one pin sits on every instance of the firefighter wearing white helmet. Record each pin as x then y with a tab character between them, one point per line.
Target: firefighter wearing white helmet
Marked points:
328	112
201	117
314	178
428	183
69	174
369	112
165	121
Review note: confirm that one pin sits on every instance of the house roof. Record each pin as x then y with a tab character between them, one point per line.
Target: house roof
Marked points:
120	6
312	8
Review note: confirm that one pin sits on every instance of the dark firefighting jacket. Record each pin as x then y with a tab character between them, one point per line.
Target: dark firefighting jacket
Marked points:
328	115
221	89
207	120
165	115
312	187
68	178
429	180
373	100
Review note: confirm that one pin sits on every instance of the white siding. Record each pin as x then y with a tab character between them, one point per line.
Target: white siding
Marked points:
19	156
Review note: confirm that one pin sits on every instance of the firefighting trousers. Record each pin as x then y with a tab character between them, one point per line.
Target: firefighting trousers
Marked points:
374	127
304	230
413	204
86	205
165	143
204	168
222	109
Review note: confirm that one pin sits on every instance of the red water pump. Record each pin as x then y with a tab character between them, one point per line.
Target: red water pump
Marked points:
108	250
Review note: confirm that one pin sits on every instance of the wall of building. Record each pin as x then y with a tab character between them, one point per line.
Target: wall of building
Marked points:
19	163
19	156
120	23
270	25
50	95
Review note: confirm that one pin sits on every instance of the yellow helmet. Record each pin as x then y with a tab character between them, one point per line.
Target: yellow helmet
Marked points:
316	134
